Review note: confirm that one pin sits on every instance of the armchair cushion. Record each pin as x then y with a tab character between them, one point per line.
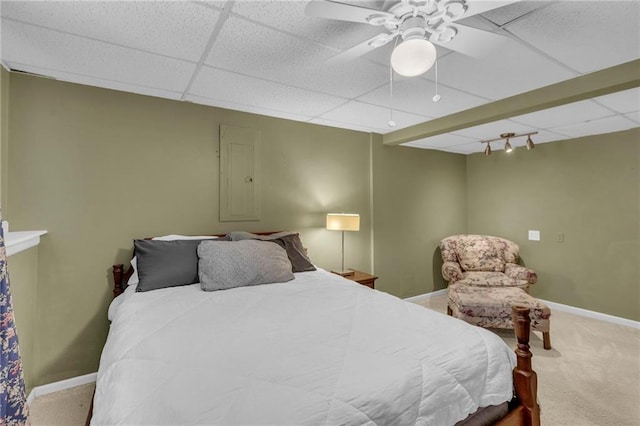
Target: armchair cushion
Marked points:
491	279
520	273
479	254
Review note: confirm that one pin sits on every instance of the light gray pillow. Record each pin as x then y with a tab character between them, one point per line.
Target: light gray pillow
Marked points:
228	264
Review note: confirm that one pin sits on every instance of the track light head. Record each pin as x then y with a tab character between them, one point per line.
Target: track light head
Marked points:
507	147
487	150
530	144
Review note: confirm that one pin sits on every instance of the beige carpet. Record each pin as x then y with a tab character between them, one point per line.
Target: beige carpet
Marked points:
590	377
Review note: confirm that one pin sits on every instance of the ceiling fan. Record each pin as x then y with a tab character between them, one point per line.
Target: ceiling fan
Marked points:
419	24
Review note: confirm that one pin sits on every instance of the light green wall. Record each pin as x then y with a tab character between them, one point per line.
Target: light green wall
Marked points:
419	197
97	168
586	188
5	77
23	278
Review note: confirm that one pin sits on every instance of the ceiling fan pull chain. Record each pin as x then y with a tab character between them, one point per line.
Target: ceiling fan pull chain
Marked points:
391	122
437	97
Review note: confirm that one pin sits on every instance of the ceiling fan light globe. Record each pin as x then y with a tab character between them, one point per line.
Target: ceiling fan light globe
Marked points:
413	57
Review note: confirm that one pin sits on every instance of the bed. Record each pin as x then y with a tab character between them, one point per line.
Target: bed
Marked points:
316	349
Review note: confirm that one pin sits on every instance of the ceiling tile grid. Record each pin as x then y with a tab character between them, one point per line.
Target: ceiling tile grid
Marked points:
270	58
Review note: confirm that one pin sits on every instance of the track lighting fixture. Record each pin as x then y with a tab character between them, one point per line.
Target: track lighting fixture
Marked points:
507	145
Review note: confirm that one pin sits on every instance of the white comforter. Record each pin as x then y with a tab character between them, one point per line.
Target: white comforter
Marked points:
316	350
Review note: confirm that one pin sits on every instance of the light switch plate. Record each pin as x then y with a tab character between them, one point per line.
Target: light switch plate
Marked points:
534	235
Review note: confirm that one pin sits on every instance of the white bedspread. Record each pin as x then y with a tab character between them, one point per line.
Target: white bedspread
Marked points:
318	350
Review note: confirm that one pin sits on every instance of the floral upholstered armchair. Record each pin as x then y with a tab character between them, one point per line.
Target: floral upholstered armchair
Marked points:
483	260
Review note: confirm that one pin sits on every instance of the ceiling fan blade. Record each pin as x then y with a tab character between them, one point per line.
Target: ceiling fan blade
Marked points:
473	42
362	48
475	7
343	11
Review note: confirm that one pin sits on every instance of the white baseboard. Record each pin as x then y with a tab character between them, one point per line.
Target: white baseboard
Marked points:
426	295
554	306
591	314
61	385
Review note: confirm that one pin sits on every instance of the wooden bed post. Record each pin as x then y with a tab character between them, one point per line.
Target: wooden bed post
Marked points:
118	275
525	379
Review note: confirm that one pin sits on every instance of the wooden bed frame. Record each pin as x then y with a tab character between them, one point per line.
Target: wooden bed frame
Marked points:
523	408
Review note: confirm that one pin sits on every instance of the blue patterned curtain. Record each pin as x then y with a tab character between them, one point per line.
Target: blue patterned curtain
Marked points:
13	400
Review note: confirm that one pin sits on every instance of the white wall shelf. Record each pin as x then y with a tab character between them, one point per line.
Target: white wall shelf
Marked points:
15	242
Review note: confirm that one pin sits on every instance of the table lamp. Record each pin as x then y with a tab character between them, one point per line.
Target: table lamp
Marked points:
343	222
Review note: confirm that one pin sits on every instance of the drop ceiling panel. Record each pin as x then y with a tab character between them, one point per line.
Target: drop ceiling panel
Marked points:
289	17
96	82
246	108
343	125
585	35
53	50
634	116
623	102
248	91
564	115
510	71
279	57
371	116
177	29
447	140
415	95
596	127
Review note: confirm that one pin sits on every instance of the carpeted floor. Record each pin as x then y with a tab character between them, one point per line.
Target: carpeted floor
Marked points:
590	377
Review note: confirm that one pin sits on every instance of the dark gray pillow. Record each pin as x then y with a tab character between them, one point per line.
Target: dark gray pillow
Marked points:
162	264
295	251
224	265
288	240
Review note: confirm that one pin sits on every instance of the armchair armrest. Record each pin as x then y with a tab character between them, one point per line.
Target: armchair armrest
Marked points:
520	273
451	272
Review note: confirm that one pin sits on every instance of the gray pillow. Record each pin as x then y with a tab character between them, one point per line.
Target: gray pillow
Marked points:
288	240
224	265
296	252
163	264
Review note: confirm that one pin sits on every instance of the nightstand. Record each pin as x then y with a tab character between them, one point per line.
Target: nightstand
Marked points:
362	278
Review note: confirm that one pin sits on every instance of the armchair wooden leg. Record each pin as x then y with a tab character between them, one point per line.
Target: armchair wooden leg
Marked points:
449	312
546	339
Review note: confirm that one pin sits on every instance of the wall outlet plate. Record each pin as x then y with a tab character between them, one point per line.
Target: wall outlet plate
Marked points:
534	235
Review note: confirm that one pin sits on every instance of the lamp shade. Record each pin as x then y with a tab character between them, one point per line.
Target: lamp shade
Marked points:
413	57
343	222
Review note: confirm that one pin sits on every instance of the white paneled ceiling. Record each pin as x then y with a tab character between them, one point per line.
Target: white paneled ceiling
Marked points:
268	57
